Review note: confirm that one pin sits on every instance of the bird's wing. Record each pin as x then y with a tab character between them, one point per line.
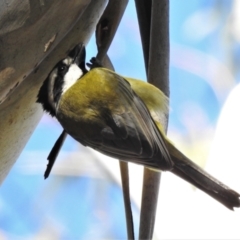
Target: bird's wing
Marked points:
130	132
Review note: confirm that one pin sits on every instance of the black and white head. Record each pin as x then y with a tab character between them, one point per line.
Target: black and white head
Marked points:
62	77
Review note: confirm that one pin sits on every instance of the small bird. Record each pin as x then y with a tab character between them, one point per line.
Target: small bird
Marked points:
121	118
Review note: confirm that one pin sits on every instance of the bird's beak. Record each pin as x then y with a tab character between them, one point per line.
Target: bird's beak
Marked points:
78	54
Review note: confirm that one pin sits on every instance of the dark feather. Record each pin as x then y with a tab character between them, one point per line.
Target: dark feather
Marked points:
42	98
192	173
54	153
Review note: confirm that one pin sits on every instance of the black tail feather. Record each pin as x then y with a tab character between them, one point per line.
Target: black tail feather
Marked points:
54	153
195	175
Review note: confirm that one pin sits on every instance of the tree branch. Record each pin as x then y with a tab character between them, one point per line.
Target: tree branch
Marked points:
154	24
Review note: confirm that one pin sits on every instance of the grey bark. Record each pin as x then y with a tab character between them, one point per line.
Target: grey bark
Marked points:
33	37
153	17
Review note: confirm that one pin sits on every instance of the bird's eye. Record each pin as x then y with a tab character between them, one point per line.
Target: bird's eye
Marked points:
62	68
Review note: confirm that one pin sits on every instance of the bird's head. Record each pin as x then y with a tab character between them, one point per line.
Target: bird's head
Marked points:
65	73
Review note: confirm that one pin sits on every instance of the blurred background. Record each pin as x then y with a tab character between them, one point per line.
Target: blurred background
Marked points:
82	198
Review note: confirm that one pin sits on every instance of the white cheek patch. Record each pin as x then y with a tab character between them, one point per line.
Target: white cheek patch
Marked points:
73	74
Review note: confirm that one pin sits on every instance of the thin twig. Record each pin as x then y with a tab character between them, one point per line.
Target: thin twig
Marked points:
153	18
105	32
144	20
108	25
158	64
127	199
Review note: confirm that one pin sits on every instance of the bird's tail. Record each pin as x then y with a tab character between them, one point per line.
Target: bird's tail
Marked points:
186	169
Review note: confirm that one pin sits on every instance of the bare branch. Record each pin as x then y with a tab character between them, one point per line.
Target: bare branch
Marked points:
105	32
153	20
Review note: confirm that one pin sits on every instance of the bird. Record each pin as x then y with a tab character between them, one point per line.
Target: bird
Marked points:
122	118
